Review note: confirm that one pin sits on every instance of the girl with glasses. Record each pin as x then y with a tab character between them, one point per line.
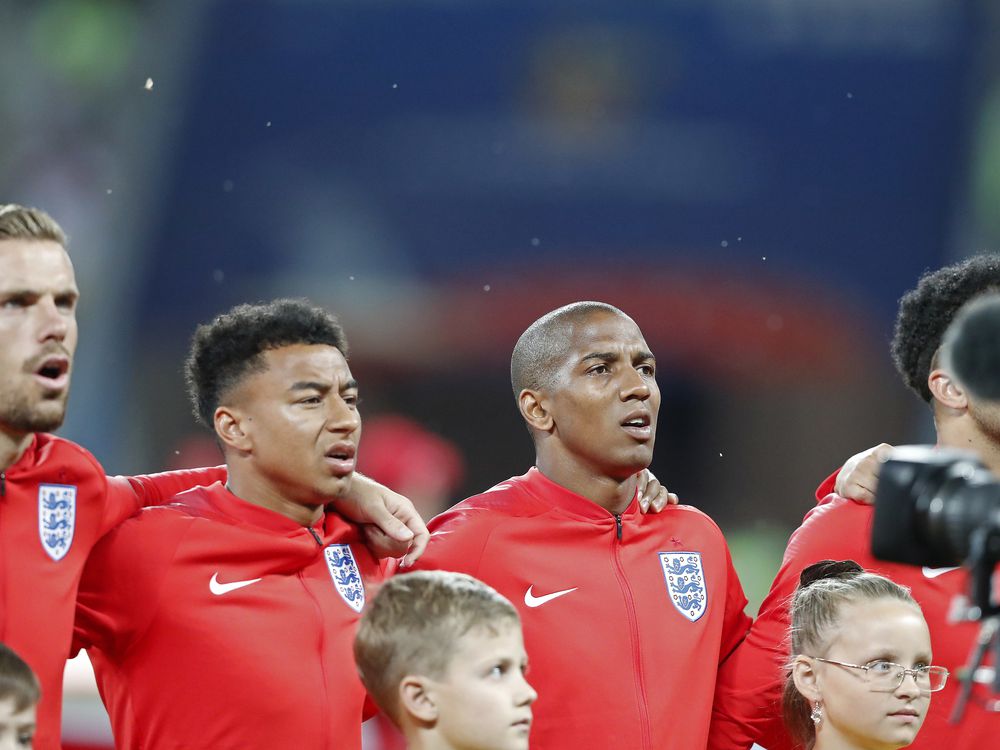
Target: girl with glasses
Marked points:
860	675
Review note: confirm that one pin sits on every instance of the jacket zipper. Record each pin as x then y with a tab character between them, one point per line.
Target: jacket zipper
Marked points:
633	633
3	484
315	536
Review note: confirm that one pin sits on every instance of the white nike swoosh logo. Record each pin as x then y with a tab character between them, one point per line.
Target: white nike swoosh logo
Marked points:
935	572
537	601
224	588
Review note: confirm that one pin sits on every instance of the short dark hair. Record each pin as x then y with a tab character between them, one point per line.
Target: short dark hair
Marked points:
24	223
541	348
926	311
224	351
17	681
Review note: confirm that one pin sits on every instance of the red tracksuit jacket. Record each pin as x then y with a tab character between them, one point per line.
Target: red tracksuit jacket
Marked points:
55	503
215	623
748	703
625	618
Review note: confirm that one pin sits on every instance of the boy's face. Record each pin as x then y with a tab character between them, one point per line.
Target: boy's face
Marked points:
17	728
484	701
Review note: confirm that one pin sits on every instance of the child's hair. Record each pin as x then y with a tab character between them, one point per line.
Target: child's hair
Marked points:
411	626
815	613
17	681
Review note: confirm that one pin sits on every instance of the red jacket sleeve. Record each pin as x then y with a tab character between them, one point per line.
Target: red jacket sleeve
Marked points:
458	540
120	587
736	624
748	694
125	495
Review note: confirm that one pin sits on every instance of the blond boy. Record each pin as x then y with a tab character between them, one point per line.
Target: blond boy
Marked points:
442	655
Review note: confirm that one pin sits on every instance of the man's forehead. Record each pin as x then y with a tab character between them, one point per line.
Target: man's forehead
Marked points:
298	359
600	331
34	261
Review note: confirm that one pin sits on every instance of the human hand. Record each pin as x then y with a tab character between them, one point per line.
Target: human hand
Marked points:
858	477
390	524
653	496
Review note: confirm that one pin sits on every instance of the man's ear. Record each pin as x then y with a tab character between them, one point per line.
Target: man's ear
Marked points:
416	698
534	410
230	426
804	676
946	390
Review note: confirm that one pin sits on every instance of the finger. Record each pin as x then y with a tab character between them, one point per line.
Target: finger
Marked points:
417	547
664	499
653	488
860	493
643	504
882	452
642	481
390	524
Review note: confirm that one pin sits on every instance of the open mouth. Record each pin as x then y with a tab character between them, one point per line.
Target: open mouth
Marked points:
340	457
638	425
53	372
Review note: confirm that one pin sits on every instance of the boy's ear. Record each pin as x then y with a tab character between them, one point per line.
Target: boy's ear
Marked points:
804	677
230	428
416	698
946	390
534	411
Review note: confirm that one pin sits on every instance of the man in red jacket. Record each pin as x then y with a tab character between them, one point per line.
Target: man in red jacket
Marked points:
748	703
626	616
226	619
55	500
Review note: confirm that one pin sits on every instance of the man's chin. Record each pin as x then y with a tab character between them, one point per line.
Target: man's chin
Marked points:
38	420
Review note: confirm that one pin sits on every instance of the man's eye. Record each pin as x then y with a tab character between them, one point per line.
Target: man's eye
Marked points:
646	369
598	370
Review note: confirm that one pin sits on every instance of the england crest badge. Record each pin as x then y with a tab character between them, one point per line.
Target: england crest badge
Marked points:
344	571
685	579
56	518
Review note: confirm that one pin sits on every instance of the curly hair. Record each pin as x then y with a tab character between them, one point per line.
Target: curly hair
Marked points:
926	311
229	348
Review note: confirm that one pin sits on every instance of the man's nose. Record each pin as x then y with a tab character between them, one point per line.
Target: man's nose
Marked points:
342	416
53	323
635	386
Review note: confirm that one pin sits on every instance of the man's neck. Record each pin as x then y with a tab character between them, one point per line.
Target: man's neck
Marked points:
12	447
252	489
963	433
614	495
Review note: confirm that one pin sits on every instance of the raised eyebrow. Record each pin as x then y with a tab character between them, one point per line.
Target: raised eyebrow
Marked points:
350	385
644	356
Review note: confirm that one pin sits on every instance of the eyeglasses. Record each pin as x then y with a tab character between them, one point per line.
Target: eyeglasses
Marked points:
885	676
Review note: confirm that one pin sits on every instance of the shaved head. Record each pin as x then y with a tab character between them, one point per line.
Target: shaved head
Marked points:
543	347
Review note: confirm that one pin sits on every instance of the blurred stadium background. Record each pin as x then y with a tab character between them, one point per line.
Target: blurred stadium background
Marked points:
755	181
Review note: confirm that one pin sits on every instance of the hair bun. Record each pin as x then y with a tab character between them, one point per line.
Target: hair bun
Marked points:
829	569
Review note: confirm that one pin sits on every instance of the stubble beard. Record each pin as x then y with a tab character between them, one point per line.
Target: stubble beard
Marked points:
44	415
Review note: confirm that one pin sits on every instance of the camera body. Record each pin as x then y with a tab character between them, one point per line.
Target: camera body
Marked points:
936	507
